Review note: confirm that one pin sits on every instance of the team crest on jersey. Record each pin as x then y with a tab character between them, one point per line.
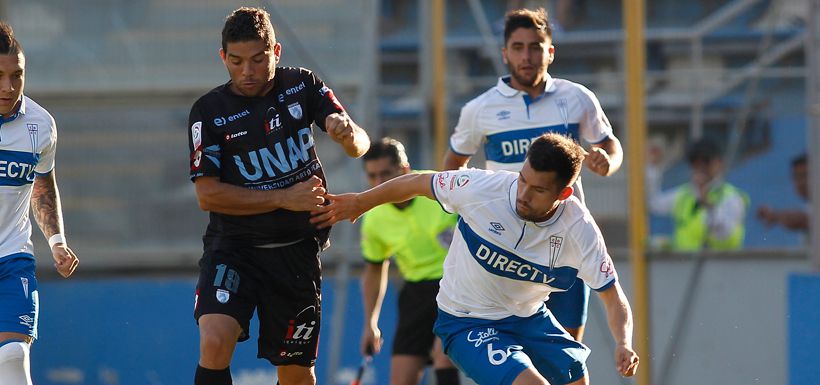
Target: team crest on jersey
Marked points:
295	110
32	133
555	249
222	295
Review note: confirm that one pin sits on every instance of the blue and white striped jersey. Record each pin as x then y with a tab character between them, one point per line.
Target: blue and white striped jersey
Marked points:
500	265
27	146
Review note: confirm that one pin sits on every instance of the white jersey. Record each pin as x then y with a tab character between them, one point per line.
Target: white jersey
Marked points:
505	120
500	265
27	145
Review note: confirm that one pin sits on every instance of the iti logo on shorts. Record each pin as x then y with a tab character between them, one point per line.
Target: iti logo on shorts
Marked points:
295	110
555	249
300	329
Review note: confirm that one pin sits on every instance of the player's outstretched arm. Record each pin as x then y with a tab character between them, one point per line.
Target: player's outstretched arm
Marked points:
225	198
352	206
605	158
346	132
48	213
619	317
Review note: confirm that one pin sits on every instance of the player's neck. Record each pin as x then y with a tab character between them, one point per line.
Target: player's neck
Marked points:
533	91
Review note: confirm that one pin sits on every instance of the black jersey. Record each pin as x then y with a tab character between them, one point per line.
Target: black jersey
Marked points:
261	143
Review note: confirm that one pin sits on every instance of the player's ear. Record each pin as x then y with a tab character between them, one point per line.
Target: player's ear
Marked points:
277	52
222	54
504	55
565	193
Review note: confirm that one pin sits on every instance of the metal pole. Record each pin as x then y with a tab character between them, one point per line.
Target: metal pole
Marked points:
438	87
812	135
635	68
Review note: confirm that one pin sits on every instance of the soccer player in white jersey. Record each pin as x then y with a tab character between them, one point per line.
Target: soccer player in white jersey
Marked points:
525	104
520	237
28	139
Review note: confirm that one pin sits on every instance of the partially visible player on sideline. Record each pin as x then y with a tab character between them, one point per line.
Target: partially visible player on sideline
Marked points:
256	171
28	141
520	237
525	104
417	234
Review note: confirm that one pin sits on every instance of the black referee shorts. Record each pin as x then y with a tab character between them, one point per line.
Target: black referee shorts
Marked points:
417	314
282	284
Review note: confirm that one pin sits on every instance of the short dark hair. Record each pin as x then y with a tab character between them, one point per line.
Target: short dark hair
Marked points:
387	147
704	148
800	160
527	18
246	24
8	44
558	153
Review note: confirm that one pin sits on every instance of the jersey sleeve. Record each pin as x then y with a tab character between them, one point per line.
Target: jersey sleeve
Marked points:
205	148
597	269
322	99
373	249
46	162
594	125
467	137
455	188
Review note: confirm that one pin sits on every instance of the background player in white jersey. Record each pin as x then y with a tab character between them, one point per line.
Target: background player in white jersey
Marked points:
28	139
520	237
522	106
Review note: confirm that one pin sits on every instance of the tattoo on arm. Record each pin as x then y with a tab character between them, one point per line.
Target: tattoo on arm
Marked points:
45	204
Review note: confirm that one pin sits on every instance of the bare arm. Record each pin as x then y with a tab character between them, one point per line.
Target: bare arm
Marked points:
619	318
606	157
352	206
374	285
453	161
790	219
48	213
348	134
225	198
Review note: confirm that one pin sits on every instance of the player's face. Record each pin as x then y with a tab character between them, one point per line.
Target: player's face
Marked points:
12	80
251	66
528	55
705	170
538	194
800	177
381	170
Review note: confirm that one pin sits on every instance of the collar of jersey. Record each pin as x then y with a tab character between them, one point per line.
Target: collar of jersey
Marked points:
505	89
512	196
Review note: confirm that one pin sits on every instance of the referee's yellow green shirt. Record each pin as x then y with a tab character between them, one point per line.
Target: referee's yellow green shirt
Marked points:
417	236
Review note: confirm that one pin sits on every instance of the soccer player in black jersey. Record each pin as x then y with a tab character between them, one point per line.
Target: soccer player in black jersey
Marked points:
254	164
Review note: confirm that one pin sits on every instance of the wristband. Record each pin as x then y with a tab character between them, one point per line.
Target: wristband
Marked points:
55	239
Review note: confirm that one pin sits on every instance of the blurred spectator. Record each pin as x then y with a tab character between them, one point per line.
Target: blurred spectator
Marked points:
794	219
708	212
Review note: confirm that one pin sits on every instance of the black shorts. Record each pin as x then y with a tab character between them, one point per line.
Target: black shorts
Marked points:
282	284
417	314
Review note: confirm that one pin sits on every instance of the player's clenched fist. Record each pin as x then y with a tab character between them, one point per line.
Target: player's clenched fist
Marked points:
626	360
339	127
305	196
597	160
64	259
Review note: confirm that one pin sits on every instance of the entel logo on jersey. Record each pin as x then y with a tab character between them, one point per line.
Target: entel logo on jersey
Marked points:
293	90
221	121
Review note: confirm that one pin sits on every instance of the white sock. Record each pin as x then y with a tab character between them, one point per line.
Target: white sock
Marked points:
14	364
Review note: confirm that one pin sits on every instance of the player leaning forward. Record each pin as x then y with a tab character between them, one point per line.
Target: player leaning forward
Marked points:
520	237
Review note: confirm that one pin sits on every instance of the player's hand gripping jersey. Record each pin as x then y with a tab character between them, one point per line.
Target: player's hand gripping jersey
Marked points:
501	265
261	143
